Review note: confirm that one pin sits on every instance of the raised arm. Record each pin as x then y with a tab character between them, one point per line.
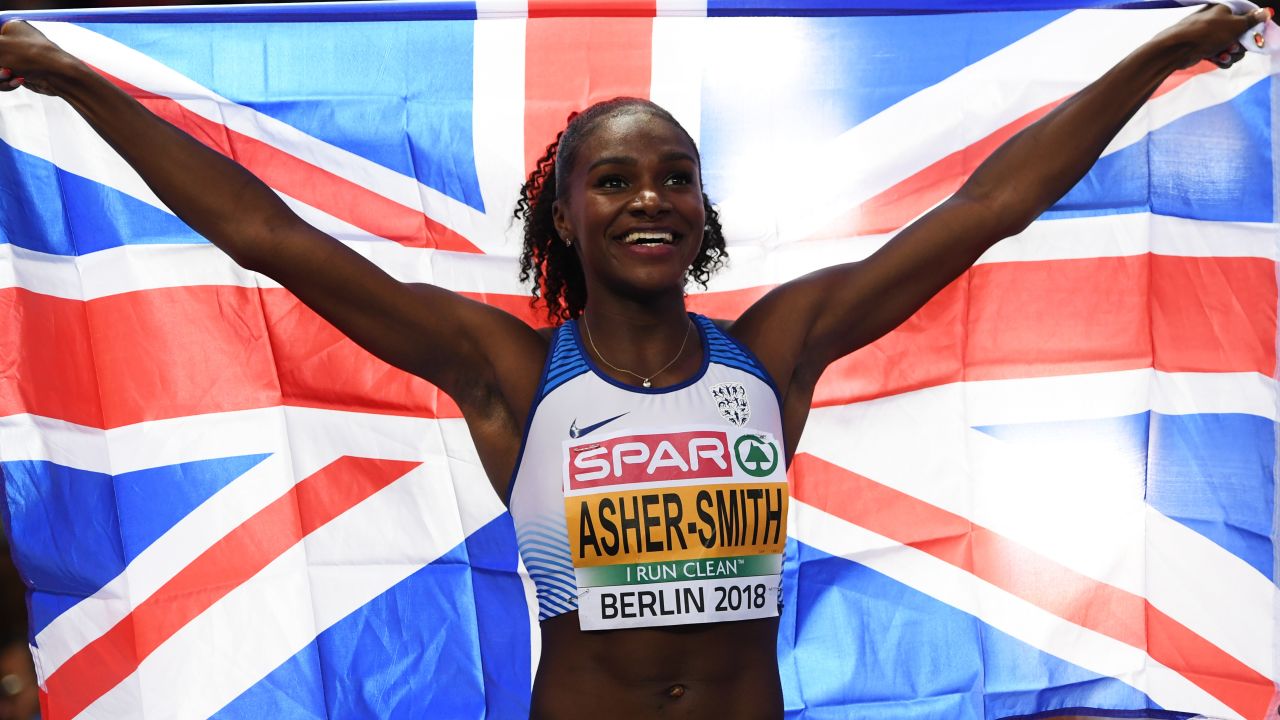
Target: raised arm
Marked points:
802	326
477	354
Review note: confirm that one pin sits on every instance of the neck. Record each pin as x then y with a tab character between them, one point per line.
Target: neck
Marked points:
634	342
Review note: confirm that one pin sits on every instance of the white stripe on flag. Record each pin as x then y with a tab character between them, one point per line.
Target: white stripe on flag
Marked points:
144	267
500	9
681	8
142	445
676	70
497	123
1115	394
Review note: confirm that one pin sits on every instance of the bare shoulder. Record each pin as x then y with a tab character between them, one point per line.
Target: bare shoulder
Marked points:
498	358
776	326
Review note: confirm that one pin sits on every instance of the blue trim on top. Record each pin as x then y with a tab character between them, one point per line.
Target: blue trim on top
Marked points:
706	362
528	421
373	11
564	363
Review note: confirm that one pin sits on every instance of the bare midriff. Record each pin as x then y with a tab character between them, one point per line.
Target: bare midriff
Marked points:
711	670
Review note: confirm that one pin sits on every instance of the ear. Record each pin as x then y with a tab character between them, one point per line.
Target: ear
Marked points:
560	220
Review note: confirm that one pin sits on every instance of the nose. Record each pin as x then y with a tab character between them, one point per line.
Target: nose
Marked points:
648	201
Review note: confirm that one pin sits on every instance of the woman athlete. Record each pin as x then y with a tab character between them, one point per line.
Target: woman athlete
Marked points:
616	224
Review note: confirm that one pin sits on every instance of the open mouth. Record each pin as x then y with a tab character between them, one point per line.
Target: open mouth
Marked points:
649	238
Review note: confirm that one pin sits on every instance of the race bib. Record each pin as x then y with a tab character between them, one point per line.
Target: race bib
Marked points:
679	527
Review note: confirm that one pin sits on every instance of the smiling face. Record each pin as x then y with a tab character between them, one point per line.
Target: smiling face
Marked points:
632	205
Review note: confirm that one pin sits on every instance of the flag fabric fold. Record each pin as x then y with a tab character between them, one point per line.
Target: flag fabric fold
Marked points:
1050	491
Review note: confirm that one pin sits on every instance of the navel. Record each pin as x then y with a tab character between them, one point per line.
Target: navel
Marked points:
676	691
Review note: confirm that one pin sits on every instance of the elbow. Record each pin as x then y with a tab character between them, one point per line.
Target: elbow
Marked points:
1002	212
250	243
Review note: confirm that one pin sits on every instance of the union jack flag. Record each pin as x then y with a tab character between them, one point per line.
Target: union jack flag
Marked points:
1051	489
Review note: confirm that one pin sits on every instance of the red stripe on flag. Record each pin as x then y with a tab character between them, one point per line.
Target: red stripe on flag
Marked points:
319	367
896	206
1023	573
592	8
173	352
237	557
47	355
572	62
1062	317
309	183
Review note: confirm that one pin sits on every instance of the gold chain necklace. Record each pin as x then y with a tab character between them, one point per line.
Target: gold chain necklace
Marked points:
644	381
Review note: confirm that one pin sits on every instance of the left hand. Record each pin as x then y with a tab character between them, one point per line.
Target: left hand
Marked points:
1211	34
28	57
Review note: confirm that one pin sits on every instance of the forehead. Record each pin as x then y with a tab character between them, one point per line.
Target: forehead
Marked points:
634	134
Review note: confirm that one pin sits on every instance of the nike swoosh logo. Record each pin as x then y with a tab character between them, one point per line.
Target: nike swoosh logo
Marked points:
577	432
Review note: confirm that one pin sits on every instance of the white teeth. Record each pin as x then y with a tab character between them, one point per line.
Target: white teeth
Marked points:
637	238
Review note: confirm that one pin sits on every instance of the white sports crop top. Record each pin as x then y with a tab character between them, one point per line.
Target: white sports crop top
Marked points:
665	506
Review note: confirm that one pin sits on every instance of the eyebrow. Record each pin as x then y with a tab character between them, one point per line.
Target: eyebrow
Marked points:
627	160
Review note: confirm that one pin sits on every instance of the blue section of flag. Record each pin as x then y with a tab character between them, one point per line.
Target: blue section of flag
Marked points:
449	641
151	501
502	618
1213	164
342	84
79	529
67	534
83	217
838	76
28	216
1210	472
856	643
1213	473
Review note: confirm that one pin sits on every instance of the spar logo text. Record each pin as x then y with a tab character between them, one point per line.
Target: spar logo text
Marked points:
697	454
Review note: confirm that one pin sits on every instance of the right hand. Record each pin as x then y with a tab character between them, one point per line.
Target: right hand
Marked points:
1211	34
28	58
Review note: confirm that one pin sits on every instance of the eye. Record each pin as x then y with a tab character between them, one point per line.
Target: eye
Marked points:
611	182
680	178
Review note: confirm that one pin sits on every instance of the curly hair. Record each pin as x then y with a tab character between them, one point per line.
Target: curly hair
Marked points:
554	268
